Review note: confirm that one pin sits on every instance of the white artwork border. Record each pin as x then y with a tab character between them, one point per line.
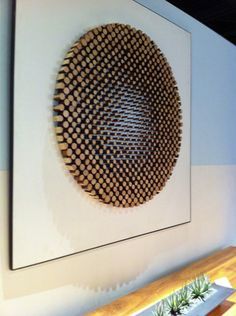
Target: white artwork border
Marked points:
52	216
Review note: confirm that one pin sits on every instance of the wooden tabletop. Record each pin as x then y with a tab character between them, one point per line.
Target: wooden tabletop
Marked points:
220	264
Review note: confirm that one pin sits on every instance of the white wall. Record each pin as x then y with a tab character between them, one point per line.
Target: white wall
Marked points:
75	284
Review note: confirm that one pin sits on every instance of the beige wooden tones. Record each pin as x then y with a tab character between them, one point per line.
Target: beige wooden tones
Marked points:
220	264
117	115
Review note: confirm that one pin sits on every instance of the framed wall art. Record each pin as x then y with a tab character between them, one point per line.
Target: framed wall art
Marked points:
101	121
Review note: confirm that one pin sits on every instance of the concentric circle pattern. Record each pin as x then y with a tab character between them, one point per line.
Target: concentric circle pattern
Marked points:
117	115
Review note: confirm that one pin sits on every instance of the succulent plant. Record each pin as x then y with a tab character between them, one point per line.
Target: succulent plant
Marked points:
160	309
185	296
174	304
200	287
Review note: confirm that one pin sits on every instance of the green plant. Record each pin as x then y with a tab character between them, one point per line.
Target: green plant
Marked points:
200	287
174	304
160	309
185	296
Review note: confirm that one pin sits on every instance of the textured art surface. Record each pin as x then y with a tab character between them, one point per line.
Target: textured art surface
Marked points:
117	115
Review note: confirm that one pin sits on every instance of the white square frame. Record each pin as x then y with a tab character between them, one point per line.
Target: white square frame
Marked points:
41	231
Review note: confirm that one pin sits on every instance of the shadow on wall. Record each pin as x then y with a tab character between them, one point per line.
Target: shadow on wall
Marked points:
123	267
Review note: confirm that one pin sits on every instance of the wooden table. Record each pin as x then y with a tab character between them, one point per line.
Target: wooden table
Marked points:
220	264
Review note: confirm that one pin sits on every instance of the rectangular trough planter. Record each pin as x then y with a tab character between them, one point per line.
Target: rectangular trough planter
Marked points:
219	295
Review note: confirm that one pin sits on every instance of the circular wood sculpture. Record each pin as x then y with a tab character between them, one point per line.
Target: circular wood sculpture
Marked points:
118	116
